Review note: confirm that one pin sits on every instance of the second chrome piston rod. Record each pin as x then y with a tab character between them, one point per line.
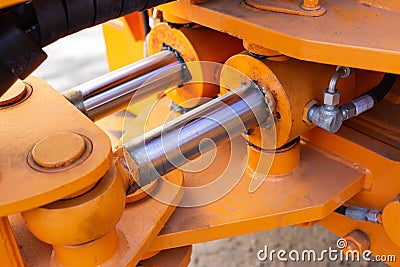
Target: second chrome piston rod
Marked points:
173	144
113	91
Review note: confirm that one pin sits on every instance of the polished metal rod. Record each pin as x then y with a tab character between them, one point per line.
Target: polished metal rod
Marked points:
173	144
113	91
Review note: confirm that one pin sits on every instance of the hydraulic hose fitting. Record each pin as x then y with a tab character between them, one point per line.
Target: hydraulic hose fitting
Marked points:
326	117
330	116
341	72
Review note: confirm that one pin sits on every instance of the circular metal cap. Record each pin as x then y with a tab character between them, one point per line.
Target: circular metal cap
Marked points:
16	93
58	150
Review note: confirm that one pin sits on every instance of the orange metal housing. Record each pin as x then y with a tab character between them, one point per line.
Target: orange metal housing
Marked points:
293	83
358	166
348	34
189	42
7	3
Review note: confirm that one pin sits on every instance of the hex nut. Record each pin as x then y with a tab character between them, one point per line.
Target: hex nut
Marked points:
332	99
348	110
357	240
373	216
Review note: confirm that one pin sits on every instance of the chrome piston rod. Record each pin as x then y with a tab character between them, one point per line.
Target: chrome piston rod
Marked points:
113	91
173	144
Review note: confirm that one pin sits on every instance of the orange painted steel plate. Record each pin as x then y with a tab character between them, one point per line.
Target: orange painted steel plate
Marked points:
129	48
44	113
381	179
310	193
141	192
349	34
391	5
178	257
144	219
293	7
9	251
7	3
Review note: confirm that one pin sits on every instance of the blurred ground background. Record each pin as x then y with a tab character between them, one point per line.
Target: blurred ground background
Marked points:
81	57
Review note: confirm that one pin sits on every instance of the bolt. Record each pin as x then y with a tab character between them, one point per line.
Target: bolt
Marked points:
58	150
348	110
310	5
249	131
356	240
15	94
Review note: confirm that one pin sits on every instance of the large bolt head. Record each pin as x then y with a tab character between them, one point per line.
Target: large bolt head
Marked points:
357	240
332	99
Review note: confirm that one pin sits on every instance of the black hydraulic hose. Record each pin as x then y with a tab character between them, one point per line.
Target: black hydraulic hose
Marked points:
145	18
19	53
53	19
379	91
341	210
370	98
26	28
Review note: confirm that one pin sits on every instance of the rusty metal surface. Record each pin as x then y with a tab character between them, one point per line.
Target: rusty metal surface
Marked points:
310	193
22	125
349	34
